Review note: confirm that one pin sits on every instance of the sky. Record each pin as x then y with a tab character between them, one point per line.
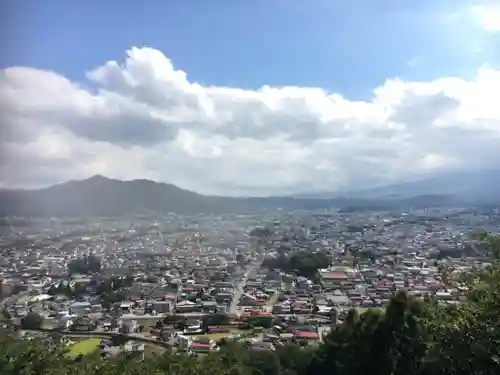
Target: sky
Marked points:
237	97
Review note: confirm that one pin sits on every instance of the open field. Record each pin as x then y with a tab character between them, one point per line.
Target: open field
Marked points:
49	324
84	347
150	350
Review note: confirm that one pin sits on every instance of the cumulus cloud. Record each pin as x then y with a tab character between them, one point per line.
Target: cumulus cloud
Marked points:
144	119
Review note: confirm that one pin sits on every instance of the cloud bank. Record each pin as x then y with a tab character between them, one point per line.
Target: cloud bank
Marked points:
143	118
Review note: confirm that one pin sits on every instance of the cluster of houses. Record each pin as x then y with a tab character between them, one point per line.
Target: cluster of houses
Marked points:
193	267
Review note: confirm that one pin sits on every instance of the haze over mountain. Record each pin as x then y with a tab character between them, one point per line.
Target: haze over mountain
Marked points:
465	185
101	196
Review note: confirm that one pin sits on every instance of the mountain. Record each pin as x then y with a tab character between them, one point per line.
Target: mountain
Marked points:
463	185
101	196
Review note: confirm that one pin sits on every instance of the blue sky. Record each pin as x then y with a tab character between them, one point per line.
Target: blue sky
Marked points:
308	95
343	46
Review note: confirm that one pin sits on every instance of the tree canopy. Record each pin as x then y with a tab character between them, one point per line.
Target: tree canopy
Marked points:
85	265
303	263
31	320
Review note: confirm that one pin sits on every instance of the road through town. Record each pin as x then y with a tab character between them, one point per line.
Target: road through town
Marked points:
239	288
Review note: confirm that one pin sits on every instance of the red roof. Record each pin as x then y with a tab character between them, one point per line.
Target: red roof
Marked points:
305	335
260	313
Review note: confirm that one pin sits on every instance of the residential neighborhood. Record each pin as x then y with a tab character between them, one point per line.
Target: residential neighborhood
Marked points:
196	283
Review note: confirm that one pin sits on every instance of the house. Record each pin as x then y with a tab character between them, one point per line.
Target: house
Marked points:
130	326
39	299
182	342
338	300
80	308
161	307
83	323
108	350
66	321
125	307
282	308
333	279
306	332
193	329
209	306
186	306
286	336
203	345
305	335
223	297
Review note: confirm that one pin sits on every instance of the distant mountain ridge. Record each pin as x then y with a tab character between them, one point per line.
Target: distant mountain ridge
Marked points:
102	196
466	185
99	195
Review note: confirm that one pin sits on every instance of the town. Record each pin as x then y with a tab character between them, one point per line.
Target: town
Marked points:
196	283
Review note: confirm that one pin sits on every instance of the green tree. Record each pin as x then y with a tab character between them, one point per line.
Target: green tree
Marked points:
295	360
21	357
85	265
32	320
398	344
302	262
466	338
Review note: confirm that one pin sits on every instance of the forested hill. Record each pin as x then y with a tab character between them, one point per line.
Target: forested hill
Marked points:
412	337
101	196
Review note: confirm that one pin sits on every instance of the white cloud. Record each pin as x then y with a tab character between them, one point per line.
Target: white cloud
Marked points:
147	120
488	17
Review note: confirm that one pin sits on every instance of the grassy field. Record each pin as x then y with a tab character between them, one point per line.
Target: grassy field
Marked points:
150	350
49	324
84	347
